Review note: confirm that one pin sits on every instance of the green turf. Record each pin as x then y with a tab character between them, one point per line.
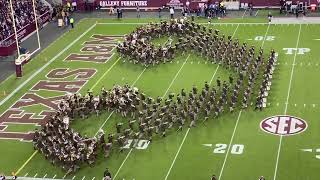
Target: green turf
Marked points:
194	161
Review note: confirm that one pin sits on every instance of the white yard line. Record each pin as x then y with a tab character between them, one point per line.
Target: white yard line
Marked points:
286	105
231	140
44	66
113	111
175	158
105	73
236	125
122	164
175	77
214	74
163	96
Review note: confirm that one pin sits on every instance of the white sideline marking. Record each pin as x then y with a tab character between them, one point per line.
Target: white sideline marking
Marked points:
122	164
175	158
44	176
231	140
175	77
286	106
93	178
35	175
83	177
54	176
73	177
43	67
31	178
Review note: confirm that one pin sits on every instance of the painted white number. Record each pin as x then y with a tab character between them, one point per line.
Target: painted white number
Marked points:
268	38
222	148
237	149
141	144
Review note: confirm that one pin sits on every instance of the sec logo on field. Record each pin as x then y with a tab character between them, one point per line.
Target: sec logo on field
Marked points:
283	125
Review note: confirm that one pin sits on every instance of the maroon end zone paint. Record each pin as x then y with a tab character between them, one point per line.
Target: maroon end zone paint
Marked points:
284	125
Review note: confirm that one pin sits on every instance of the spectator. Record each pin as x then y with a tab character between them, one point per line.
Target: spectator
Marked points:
171	12
71	22
23	15
138	11
74	5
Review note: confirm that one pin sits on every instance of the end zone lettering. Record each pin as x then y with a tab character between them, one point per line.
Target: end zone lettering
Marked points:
17	114
97	50
283	125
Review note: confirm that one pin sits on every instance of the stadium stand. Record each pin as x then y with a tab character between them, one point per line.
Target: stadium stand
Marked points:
23	14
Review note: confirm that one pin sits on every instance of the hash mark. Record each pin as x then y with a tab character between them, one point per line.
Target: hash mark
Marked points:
313	105
304	105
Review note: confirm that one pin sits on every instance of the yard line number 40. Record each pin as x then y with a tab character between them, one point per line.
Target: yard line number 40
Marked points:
222	148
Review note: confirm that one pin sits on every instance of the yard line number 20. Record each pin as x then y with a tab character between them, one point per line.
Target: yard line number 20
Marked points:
222	148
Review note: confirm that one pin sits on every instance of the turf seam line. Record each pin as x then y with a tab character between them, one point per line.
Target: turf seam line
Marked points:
122	164
175	158
229	146
44	66
286	106
175	77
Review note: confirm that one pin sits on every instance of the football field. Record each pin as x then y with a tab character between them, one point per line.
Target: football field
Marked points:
233	146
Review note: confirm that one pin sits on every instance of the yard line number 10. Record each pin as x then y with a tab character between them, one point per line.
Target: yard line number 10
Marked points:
222	148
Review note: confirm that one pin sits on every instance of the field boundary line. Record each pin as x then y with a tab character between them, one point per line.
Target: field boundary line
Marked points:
231	140
286	105
175	157
45	66
237	122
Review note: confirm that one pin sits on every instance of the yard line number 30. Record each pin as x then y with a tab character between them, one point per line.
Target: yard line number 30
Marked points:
222	148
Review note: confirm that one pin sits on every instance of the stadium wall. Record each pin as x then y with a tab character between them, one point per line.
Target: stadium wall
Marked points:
8	45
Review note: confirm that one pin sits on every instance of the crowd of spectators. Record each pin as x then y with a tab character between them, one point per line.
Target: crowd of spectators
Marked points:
23	12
